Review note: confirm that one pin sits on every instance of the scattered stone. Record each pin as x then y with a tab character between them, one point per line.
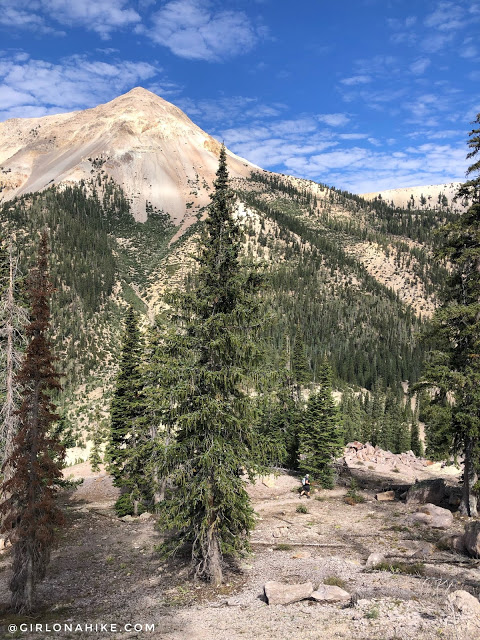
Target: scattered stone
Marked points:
330	593
280	532
464	602
385	496
233	602
279	593
427	491
374	559
471	538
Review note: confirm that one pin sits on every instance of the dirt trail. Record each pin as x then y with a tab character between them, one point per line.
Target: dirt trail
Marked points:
106	571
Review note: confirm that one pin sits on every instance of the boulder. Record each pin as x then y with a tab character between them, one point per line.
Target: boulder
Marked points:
127	518
471	538
145	516
354	445
385	496
433	516
453	542
464	602
427	491
330	593
374	559
441	518
279	593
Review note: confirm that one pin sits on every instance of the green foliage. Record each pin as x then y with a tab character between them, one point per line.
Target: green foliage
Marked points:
212	352
320	437
319	287
301	509
124	506
353	496
129	434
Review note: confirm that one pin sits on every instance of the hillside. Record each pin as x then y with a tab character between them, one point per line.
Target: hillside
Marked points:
420	197
123	188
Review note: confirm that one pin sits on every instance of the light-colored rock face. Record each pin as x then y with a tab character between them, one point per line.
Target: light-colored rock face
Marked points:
432	196
147	145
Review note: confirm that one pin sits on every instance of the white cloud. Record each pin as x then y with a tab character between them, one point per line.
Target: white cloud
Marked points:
353	80
101	16
191	30
420	66
36	87
334	119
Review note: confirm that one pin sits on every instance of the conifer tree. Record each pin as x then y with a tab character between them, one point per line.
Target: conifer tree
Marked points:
13	318
210	509
320	434
455	331
127	415
31	514
300	368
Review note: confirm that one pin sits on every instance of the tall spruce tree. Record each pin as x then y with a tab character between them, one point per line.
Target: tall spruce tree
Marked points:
127	416
454	367
320	439
30	511
300	367
210	509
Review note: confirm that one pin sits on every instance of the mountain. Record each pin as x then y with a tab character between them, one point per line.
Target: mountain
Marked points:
146	144
123	189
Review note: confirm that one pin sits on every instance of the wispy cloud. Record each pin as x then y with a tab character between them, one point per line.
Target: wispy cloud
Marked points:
354	80
30	87
101	16
420	66
193	29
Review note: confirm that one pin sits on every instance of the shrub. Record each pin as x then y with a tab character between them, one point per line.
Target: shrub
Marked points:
124	506
301	509
335	581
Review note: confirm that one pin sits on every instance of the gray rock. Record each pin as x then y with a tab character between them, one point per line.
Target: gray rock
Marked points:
279	593
386	496
416	548
374	559
330	593
127	518
471	538
145	516
427	491
441	518
453	542
464	602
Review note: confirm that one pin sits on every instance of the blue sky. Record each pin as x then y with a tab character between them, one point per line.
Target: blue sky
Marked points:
361	94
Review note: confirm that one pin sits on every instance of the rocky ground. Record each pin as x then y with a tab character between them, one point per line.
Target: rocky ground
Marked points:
107	571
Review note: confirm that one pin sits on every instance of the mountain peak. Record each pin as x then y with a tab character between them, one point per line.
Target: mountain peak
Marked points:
147	145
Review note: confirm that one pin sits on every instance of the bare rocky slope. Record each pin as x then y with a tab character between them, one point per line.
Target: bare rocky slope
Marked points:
146	144
412	196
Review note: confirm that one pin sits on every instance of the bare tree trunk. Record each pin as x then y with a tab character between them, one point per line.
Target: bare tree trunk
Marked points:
214	559
468	505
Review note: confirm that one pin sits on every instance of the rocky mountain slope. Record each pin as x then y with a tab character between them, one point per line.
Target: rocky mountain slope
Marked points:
146	144
124	187
420	197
